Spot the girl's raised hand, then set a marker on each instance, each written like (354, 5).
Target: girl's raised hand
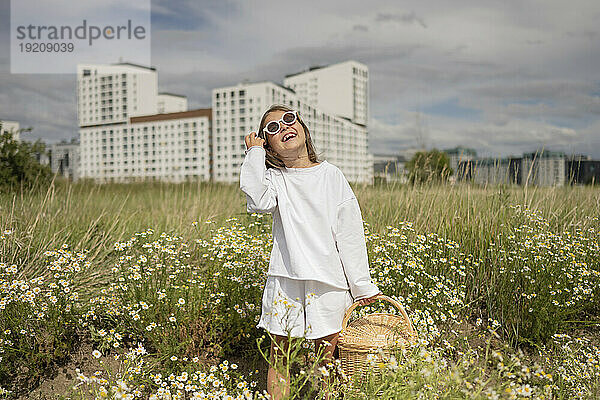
(252, 139)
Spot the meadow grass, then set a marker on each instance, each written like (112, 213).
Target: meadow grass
(92, 216)
(181, 268)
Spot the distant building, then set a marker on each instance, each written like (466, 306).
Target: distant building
(490, 171)
(456, 156)
(10, 127)
(583, 170)
(390, 168)
(109, 94)
(540, 168)
(64, 159)
(130, 132)
(544, 168)
(42, 158)
(170, 147)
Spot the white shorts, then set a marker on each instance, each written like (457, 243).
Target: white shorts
(305, 308)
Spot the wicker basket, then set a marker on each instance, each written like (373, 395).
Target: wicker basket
(372, 334)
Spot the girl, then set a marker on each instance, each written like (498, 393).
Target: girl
(318, 264)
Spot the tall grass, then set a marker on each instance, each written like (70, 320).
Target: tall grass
(93, 217)
(471, 215)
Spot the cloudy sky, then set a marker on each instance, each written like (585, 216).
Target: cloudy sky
(502, 77)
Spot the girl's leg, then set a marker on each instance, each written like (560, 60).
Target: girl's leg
(329, 343)
(275, 387)
(329, 346)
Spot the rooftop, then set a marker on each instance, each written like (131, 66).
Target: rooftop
(135, 65)
(317, 67)
(542, 153)
(459, 150)
(173, 94)
(313, 68)
(200, 112)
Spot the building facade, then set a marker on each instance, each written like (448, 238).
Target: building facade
(170, 103)
(131, 132)
(541, 168)
(490, 171)
(109, 94)
(583, 170)
(456, 156)
(170, 147)
(64, 159)
(544, 168)
(10, 127)
(389, 168)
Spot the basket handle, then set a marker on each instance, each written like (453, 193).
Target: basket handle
(379, 297)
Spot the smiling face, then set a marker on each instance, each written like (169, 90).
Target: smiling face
(290, 140)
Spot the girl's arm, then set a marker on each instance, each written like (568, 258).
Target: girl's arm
(352, 248)
(255, 182)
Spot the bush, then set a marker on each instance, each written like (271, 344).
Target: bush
(19, 164)
(429, 166)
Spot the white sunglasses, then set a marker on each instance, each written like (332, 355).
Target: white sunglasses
(287, 118)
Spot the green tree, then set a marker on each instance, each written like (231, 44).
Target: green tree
(19, 163)
(429, 166)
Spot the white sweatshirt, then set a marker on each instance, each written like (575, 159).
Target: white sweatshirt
(317, 224)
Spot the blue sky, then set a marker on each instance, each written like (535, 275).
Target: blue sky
(501, 77)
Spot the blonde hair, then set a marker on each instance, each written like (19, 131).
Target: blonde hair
(272, 160)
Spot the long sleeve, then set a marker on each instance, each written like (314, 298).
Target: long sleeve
(255, 182)
(352, 248)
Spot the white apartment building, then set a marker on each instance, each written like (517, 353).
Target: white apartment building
(112, 93)
(491, 171)
(10, 127)
(541, 168)
(544, 168)
(339, 89)
(172, 147)
(237, 111)
(131, 132)
(390, 168)
(455, 157)
(64, 159)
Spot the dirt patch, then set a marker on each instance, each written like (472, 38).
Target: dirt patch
(64, 377)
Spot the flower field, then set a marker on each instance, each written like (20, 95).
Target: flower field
(163, 283)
